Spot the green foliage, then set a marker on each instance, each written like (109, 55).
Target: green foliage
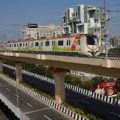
(9, 62)
(77, 81)
(114, 51)
(97, 79)
(38, 69)
(72, 80)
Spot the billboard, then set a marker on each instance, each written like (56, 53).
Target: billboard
(32, 25)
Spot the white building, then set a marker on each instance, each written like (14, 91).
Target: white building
(34, 31)
(85, 19)
(115, 42)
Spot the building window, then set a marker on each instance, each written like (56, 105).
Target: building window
(37, 35)
(60, 43)
(96, 20)
(47, 43)
(81, 29)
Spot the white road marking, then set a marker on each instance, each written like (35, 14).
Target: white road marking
(47, 117)
(29, 104)
(17, 95)
(8, 89)
(37, 110)
(115, 114)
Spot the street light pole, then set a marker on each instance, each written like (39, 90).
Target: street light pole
(106, 49)
(17, 95)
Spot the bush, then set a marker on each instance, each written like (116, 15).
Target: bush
(78, 82)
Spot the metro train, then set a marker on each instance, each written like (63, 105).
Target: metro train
(84, 44)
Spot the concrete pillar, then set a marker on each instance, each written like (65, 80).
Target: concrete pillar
(1, 66)
(59, 75)
(18, 72)
(59, 87)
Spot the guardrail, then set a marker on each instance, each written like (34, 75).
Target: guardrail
(103, 98)
(59, 53)
(45, 100)
(71, 54)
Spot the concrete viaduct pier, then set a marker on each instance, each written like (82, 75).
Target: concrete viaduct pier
(59, 65)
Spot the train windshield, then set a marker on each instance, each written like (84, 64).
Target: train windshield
(92, 40)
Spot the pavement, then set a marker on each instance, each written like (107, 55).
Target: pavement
(32, 108)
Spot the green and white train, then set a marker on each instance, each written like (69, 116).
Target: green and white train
(84, 44)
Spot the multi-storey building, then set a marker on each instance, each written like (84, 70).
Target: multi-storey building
(85, 20)
(115, 42)
(34, 31)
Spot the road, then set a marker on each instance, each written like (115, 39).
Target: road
(34, 109)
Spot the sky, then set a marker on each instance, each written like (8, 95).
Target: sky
(14, 14)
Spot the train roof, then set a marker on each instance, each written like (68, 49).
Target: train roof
(41, 39)
(52, 38)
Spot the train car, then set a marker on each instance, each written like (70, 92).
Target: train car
(85, 44)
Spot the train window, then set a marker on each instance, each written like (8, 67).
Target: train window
(14, 45)
(53, 43)
(23, 44)
(20, 44)
(68, 42)
(36, 43)
(41, 43)
(78, 42)
(26, 44)
(91, 40)
(47, 43)
(10, 45)
(32, 44)
(60, 43)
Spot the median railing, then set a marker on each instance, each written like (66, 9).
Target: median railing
(103, 98)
